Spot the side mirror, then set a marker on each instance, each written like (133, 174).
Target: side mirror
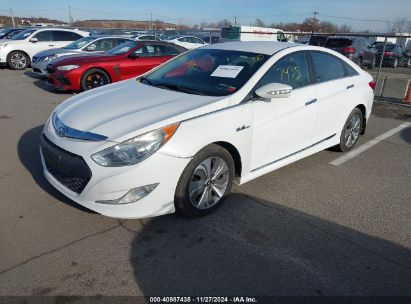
(133, 56)
(34, 40)
(274, 90)
(91, 48)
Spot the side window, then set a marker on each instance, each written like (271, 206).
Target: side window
(149, 50)
(103, 45)
(43, 36)
(182, 39)
(168, 50)
(65, 36)
(349, 70)
(120, 41)
(291, 70)
(327, 67)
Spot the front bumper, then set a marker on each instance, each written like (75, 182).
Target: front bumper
(109, 183)
(39, 67)
(65, 80)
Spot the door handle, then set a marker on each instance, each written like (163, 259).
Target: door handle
(311, 101)
(350, 86)
(51, 44)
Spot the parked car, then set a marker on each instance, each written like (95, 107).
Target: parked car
(251, 33)
(303, 40)
(146, 37)
(358, 49)
(180, 135)
(18, 52)
(9, 33)
(317, 40)
(188, 42)
(87, 45)
(127, 60)
(393, 55)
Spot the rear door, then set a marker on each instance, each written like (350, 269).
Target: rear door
(63, 38)
(337, 90)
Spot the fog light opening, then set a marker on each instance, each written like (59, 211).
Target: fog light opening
(132, 196)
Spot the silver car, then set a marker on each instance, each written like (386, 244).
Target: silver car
(86, 45)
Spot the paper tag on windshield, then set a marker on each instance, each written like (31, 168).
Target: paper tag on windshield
(227, 71)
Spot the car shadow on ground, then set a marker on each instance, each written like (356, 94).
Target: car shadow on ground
(41, 82)
(256, 247)
(29, 155)
(406, 135)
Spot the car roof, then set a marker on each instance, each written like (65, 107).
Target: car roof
(262, 47)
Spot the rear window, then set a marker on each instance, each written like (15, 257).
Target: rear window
(338, 42)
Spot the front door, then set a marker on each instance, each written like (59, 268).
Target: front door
(283, 127)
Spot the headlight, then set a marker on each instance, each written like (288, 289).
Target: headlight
(135, 150)
(48, 58)
(68, 67)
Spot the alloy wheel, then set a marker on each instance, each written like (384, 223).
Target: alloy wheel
(18, 61)
(352, 131)
(208, 182)
(95, 80)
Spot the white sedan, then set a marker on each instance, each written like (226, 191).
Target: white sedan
(180, 135)
(17, 53)
(189, 42)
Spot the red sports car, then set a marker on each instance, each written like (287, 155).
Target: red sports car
(132, 58)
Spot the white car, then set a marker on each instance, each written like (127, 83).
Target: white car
(18, 52)
(86, 46)
(189, 42)
(179, 136)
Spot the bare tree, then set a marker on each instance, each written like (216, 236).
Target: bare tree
(260, 23)
(399, 25)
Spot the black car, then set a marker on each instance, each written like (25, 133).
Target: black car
(318, 40)
(10, 32)
(393, 55)
(358, 49)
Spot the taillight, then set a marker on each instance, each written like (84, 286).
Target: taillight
(372, 84)
(348, 50)
(388, 54)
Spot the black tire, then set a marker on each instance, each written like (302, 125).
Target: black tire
(18, 60)
(344, 145)
(182, 199)
(94, 78)
(373, 63)
(394, 63)
(359, 61)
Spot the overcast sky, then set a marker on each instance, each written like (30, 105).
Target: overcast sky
(195, 11)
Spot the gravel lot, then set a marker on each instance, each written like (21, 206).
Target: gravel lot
(310, 228)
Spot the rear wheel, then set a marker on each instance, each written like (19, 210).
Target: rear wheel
(351, 131)
(18, 60)
(205, 182)
(94, 78)
(395, 63)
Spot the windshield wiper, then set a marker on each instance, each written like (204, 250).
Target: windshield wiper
(146, 81)
(178, 88)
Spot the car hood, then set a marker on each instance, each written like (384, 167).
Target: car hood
(56, 51)
(128, 108)
(83, 58)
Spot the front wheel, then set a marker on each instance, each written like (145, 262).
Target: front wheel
(18, 60)
(94, 78)
(351, 131)
(205, 182)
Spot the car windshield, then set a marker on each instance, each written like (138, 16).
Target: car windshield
(122, 48)
(207, 72)
(78, 44)
(23, 35)
(338, 42)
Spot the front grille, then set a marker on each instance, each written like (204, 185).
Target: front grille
(51, 68)
(69, 169)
